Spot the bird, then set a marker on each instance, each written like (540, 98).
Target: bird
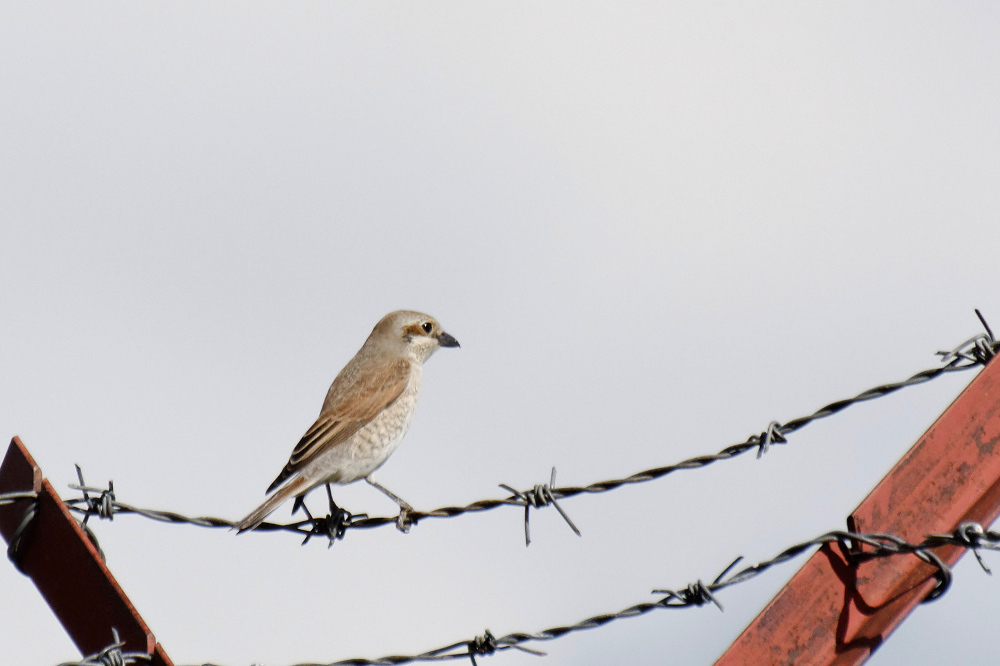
(365, 415)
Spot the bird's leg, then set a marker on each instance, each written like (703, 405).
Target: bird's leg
(300, 502)
(388, 493)
(403, 521)
(333, 505)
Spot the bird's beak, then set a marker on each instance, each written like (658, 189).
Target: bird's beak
(446, 340)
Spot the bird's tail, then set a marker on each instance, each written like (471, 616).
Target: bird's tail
(257, 516)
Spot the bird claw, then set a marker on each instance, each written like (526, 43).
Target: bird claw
(403, 520)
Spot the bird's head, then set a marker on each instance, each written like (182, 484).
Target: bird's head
(411, 334)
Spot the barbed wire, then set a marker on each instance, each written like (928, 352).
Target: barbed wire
(967, 535)
(855, 547)
(14, 544)
(10, 498)
(974, 352)
(111, 655)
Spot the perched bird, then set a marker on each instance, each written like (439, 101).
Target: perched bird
(365, 415)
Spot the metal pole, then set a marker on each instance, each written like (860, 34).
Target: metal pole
(838, 610)
(51, 548)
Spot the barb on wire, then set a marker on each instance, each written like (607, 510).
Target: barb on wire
(541, 495)
(967, 535)
(763, 441)
(972, 536)
(485, 644)
(103, 506)
(697, 593)
(112, 655)
(976, 351)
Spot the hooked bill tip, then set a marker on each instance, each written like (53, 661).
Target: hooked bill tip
(446, 340)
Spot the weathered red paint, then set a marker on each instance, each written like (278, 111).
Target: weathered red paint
(836, 612)
(66, 568)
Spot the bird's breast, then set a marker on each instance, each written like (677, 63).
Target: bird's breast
(374, 443)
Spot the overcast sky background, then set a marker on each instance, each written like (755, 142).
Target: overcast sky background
(654, 228)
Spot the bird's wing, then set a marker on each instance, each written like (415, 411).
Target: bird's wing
(364, 399)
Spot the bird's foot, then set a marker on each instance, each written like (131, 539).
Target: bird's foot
(403, 521)
(334, 525)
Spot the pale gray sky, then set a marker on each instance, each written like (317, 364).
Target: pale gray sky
(654, 227)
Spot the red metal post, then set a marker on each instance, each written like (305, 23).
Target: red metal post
(66, 568)
(834, 611)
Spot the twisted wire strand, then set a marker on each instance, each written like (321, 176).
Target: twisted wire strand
(974, 352)
(699, 593)
(10, 498)
(968, 535)
(14, 544)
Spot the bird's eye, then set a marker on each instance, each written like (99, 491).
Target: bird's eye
(427, 326)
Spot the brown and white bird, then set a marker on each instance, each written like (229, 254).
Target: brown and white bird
(365, 415)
